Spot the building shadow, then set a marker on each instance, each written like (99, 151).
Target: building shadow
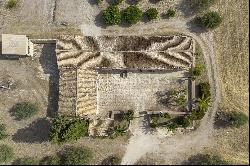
(36, 132)
(48, 62)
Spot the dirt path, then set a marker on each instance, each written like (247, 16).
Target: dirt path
(178, 145)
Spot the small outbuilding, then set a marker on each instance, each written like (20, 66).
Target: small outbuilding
(16, 45)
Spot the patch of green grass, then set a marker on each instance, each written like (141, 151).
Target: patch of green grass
(6, 153)
(76, 156)
(26, 161)
(24, 110)
(3, 133)
(11, 4)
(66, 129)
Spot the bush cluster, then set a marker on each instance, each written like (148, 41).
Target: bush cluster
(111, 15)
(211, 20)
(24, 110)
(65, 129)
(151, 14)
(182, 121)
(204, 89)
(132, 14)
(170, 13)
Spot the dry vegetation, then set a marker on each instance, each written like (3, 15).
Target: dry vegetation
(232, 45)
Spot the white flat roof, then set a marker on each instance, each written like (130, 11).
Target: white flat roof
(14, 44)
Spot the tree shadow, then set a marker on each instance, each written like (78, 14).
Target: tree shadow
(36, 132)
(93, 2)
(154, 1)
(99, 22)
(131, 2)
(48, 61)
(196, 26)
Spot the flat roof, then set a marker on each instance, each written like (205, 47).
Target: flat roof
(14, 44)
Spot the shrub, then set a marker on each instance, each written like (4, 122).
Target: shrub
(24, 110)
(117, 2)
(197, 114)
(177, 98)
(152, 14)
(3, 133)
(165, 115)
(211, 20)
(111, 15)
(111, 160)
(11, 3)
(76, 156)
(132, 14)
(6, 153)
(27, 161)
(119, 130)
(51, 160)
(65, 129)
(203, 103)
(172, 126)
(170, 13)
(205, 159)
(200, 5)
(238, 119)
(204, 89)
(182, 121)
(197, 70)
(154, 122)
(128, 116)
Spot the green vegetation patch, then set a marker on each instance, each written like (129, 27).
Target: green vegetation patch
(204, 89)
(170, 13)
(111, 15)
(27, 161)
(132, 14)
(6, 153)
(66, 129)
(206, 159)
(11, 4)
(211, 20)
(76, 156)
(152, 13)
(24, 110)
(3, 133)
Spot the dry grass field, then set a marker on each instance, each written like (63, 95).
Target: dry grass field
(232, 45)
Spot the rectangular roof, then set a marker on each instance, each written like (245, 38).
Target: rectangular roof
(14, 44)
